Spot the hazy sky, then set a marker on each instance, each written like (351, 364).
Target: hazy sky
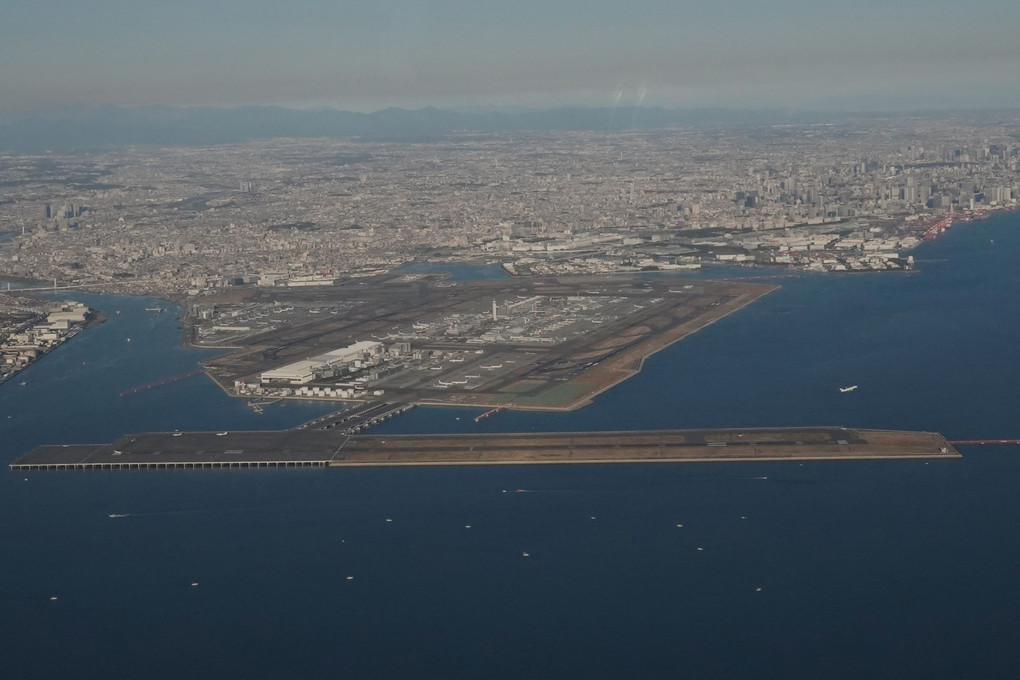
(369, 54)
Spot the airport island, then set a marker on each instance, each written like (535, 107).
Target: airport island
(319, 448)
(548, 343)
(404, 340)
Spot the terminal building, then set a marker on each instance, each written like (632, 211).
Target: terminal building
(307, 370)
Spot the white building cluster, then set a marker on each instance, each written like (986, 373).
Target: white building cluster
(35, 338)
(327, 365)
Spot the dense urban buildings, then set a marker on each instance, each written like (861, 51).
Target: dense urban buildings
(850, 195)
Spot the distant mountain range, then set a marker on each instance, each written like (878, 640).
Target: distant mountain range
(96, 128)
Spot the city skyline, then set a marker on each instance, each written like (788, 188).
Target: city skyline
(453, 54)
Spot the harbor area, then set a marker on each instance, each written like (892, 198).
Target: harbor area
(325, 448)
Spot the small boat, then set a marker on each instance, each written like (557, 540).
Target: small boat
(851, 388)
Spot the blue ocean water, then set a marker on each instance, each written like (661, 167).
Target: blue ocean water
(876, 569)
